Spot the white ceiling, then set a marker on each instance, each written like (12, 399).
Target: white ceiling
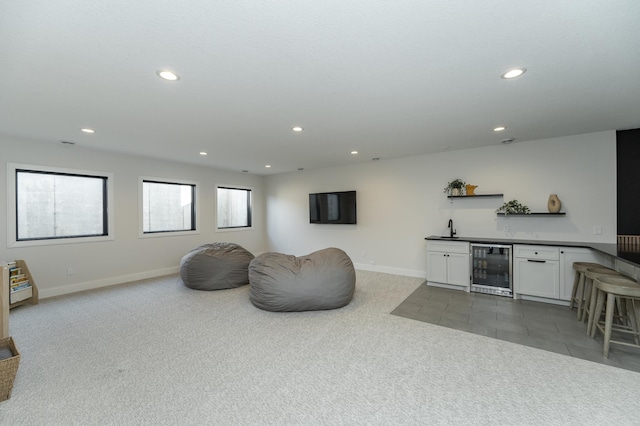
(386, 78)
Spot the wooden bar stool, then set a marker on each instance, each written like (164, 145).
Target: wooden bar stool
(627, 292)
(589, 291)
(577, 292)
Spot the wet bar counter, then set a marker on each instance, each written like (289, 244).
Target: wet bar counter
(613, 250)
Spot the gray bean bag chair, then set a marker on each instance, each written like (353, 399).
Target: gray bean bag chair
(216, 266)
(324, 279)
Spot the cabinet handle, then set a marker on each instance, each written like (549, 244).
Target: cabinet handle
(537, 261)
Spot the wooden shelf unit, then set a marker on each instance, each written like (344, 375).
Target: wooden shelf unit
(5, 306)
(34, 297)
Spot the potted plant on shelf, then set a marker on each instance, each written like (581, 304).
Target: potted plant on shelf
(455, 187)
(513, 206)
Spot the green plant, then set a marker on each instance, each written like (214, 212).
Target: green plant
(455, 184)
(513, 206)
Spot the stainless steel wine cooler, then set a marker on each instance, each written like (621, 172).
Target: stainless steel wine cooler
(492, 271)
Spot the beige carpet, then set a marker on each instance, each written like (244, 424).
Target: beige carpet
(155, 352)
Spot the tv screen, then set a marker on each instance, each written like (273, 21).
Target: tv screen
(333, 207)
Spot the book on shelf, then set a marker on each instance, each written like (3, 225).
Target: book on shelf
(20, 283)
(21, 286)
(17, 279)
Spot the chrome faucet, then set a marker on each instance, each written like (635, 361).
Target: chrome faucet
(452, 232)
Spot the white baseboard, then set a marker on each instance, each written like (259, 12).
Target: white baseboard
(90, 285)
(390, 270)
(449, 286)
(542, 299)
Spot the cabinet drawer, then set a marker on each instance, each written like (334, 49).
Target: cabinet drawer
(536, 252)
(448, 246)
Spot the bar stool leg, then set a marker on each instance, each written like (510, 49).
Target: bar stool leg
(633, 320)
(576, 278)
(580, 295)
(587, 297)
(621, 311)
(592, 318)
(596, 313)
(635, 303)
(608, 322)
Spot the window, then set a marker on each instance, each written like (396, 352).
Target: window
(168, 206)
(234, 207)
(52, 205)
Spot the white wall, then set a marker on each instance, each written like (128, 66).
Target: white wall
(127, 257)
(401, 201)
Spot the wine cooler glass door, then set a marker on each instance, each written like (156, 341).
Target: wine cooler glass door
(491, 266)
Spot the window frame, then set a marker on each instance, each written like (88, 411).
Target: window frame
(195, 210)
(249, 207)
(12, 206)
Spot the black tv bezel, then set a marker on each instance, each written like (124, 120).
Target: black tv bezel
(355, 208)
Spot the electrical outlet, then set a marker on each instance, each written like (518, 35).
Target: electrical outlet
(505, 228)
(597, 230)
(69, 271)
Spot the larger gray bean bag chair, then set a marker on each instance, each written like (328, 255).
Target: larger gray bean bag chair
(216, 266)
(324, 279)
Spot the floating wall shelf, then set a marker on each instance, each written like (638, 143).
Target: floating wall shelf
(533, 214)
(475, 196)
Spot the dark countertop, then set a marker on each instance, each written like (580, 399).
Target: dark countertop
(608, 249)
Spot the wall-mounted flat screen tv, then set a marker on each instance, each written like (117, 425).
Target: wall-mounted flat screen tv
(333, 207)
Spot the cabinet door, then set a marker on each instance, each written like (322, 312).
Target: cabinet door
(569, 255)
(436, 266)
(537, 278)
(458, 269)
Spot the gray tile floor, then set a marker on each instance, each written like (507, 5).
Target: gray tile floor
(540, 325)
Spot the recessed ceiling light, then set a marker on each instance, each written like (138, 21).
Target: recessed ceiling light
(87, 130)
(168, 75)
(297, 129)
(499, 128)
(354, 152)
(507, 141)
(203, 153)
(513, 73)
(268, 166)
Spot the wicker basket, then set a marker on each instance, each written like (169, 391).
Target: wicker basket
(8, 367)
